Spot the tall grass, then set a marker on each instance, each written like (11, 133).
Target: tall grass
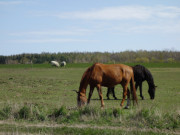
(139, 117)
(64, 130)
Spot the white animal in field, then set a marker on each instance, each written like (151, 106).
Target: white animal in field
(63, 64)
(55, 63)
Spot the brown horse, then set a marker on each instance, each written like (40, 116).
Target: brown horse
(106, 75)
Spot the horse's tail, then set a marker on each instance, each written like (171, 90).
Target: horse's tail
(133, 89)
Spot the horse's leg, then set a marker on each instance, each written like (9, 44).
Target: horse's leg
(125, 85)
(128, 99)
(100, 94)
(108, 91)
(113, 93)
(136, 85)
(140, 87)
(90, 93)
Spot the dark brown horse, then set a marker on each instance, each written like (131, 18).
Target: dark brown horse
(106, 75)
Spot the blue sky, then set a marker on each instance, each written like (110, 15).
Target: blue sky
(35, 26)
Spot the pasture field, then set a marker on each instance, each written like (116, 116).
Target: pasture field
(85, 65)
(40, 100)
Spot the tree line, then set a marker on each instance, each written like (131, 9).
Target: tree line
(140, 56)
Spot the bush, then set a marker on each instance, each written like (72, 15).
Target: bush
(24, 113)
(41, 117)
(142, 60)
(5, 112)
(116, 112)
(72, 117)
(170, 60)
(88, 111)
(60, 112)
(161, 120)
(38, 112)
(172, 120)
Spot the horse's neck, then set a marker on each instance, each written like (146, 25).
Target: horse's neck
(82, 89)
(151, 85)
(150, 81)
(84, 83)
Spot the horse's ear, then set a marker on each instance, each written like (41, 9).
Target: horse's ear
(76, 91)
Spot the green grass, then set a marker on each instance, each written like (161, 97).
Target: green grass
(44, 95)
(69, 65)
(74, 131)
(85, 65)
(157, 65)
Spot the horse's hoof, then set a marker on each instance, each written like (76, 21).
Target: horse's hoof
(115, 98)
(127, 107)
(142, 98)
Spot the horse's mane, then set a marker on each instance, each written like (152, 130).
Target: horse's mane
(149, 77)
(85, 78)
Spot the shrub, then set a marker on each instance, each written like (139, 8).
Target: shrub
(172, 120)
(24, 113)
(170, 60)
(5, 112)
(72, 117)
(38, 112)
(142, 60)
(60, 112)
(107, 113)
(116, 112)
(41, 117)
(88, 111)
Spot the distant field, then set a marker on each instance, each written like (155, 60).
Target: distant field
(40, 100)
(85, 65)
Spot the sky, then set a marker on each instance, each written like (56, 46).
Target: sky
(36, 26)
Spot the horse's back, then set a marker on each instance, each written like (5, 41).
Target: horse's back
(110, 75)
(141, 73)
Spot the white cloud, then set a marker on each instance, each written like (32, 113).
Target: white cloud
(158, 19)
(156, 28)
(123, 12)
(167, 12)
(112, 13)
(144, 28)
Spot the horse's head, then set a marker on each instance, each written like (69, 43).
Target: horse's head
(81, 99)
(151, 91)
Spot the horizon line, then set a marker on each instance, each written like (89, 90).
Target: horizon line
(164, 50)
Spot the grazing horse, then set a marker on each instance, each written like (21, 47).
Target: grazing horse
(140, 74)
(106, 75)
